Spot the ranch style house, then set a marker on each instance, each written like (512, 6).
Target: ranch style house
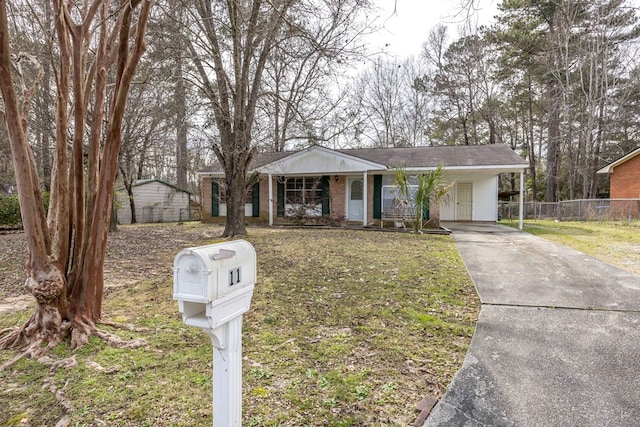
(357, 186)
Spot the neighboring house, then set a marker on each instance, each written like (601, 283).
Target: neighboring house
(357, 186)
(155, 201)
(624, 175)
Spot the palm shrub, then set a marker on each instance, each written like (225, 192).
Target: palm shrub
(430, 190)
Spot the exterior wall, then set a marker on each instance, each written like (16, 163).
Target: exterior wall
(206, 200)
(485, 198)
(154, 202)
(338, 196)
(625, 180)
(369, 199)
(263, 201)
(264, 198)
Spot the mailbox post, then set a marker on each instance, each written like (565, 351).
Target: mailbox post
(213, 286)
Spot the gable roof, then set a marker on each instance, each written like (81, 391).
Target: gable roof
(609, 168)
(319, 160)
(462, 157)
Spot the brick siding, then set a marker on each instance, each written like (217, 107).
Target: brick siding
(625, 180)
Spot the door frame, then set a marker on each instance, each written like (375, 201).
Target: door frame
(470, 186)
(350, 180)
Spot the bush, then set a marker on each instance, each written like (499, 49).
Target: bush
(10, 209)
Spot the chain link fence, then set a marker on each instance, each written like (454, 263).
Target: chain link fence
(575, 210)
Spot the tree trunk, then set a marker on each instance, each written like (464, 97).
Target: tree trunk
(67, 279)
(553, 134)
(593, 189)
(182, 157)
(128, 185)
(529, 133)
(235, 179)
(113, 224)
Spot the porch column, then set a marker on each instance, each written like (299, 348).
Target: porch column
(521, 200)
(270, 200)
(365, 197)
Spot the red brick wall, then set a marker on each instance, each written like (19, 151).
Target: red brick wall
(206, 200)
(625, 180)
(264, 198)
(337, 195)
(337, 200)
(369, 199)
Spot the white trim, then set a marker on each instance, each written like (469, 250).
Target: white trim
(348, 181)
(484, 168)
(521, 201)
(365, 199)
(343, 163)
(609, 168)
(270, 198)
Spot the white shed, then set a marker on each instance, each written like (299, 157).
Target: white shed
(155, 201)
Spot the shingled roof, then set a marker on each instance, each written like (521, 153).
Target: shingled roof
(451, 156)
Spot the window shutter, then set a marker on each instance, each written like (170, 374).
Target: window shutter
(377, 196)
(215, 198)
(255, 200)
(324, 184)
(280, 198)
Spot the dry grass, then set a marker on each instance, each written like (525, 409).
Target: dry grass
(346, 328)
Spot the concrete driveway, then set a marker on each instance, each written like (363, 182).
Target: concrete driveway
(557, 341)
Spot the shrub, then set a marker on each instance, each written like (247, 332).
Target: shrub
(10, 209)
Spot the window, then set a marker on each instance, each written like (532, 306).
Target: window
(393, 205)
(356, 190)
(303, 193)
(219, 199)
(221, 195)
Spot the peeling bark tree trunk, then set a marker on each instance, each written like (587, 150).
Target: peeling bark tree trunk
(67, 249)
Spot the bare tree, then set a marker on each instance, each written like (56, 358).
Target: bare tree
(232, 45)
(94, 42)
(302, 74)
(381, 98)
(230, 51)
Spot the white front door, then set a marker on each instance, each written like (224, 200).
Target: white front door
(464, 202)
(355, 199)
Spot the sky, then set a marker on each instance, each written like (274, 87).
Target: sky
(405, 29)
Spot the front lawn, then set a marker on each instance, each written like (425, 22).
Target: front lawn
(346, 328)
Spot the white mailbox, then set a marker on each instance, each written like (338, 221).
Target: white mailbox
(214, 283)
